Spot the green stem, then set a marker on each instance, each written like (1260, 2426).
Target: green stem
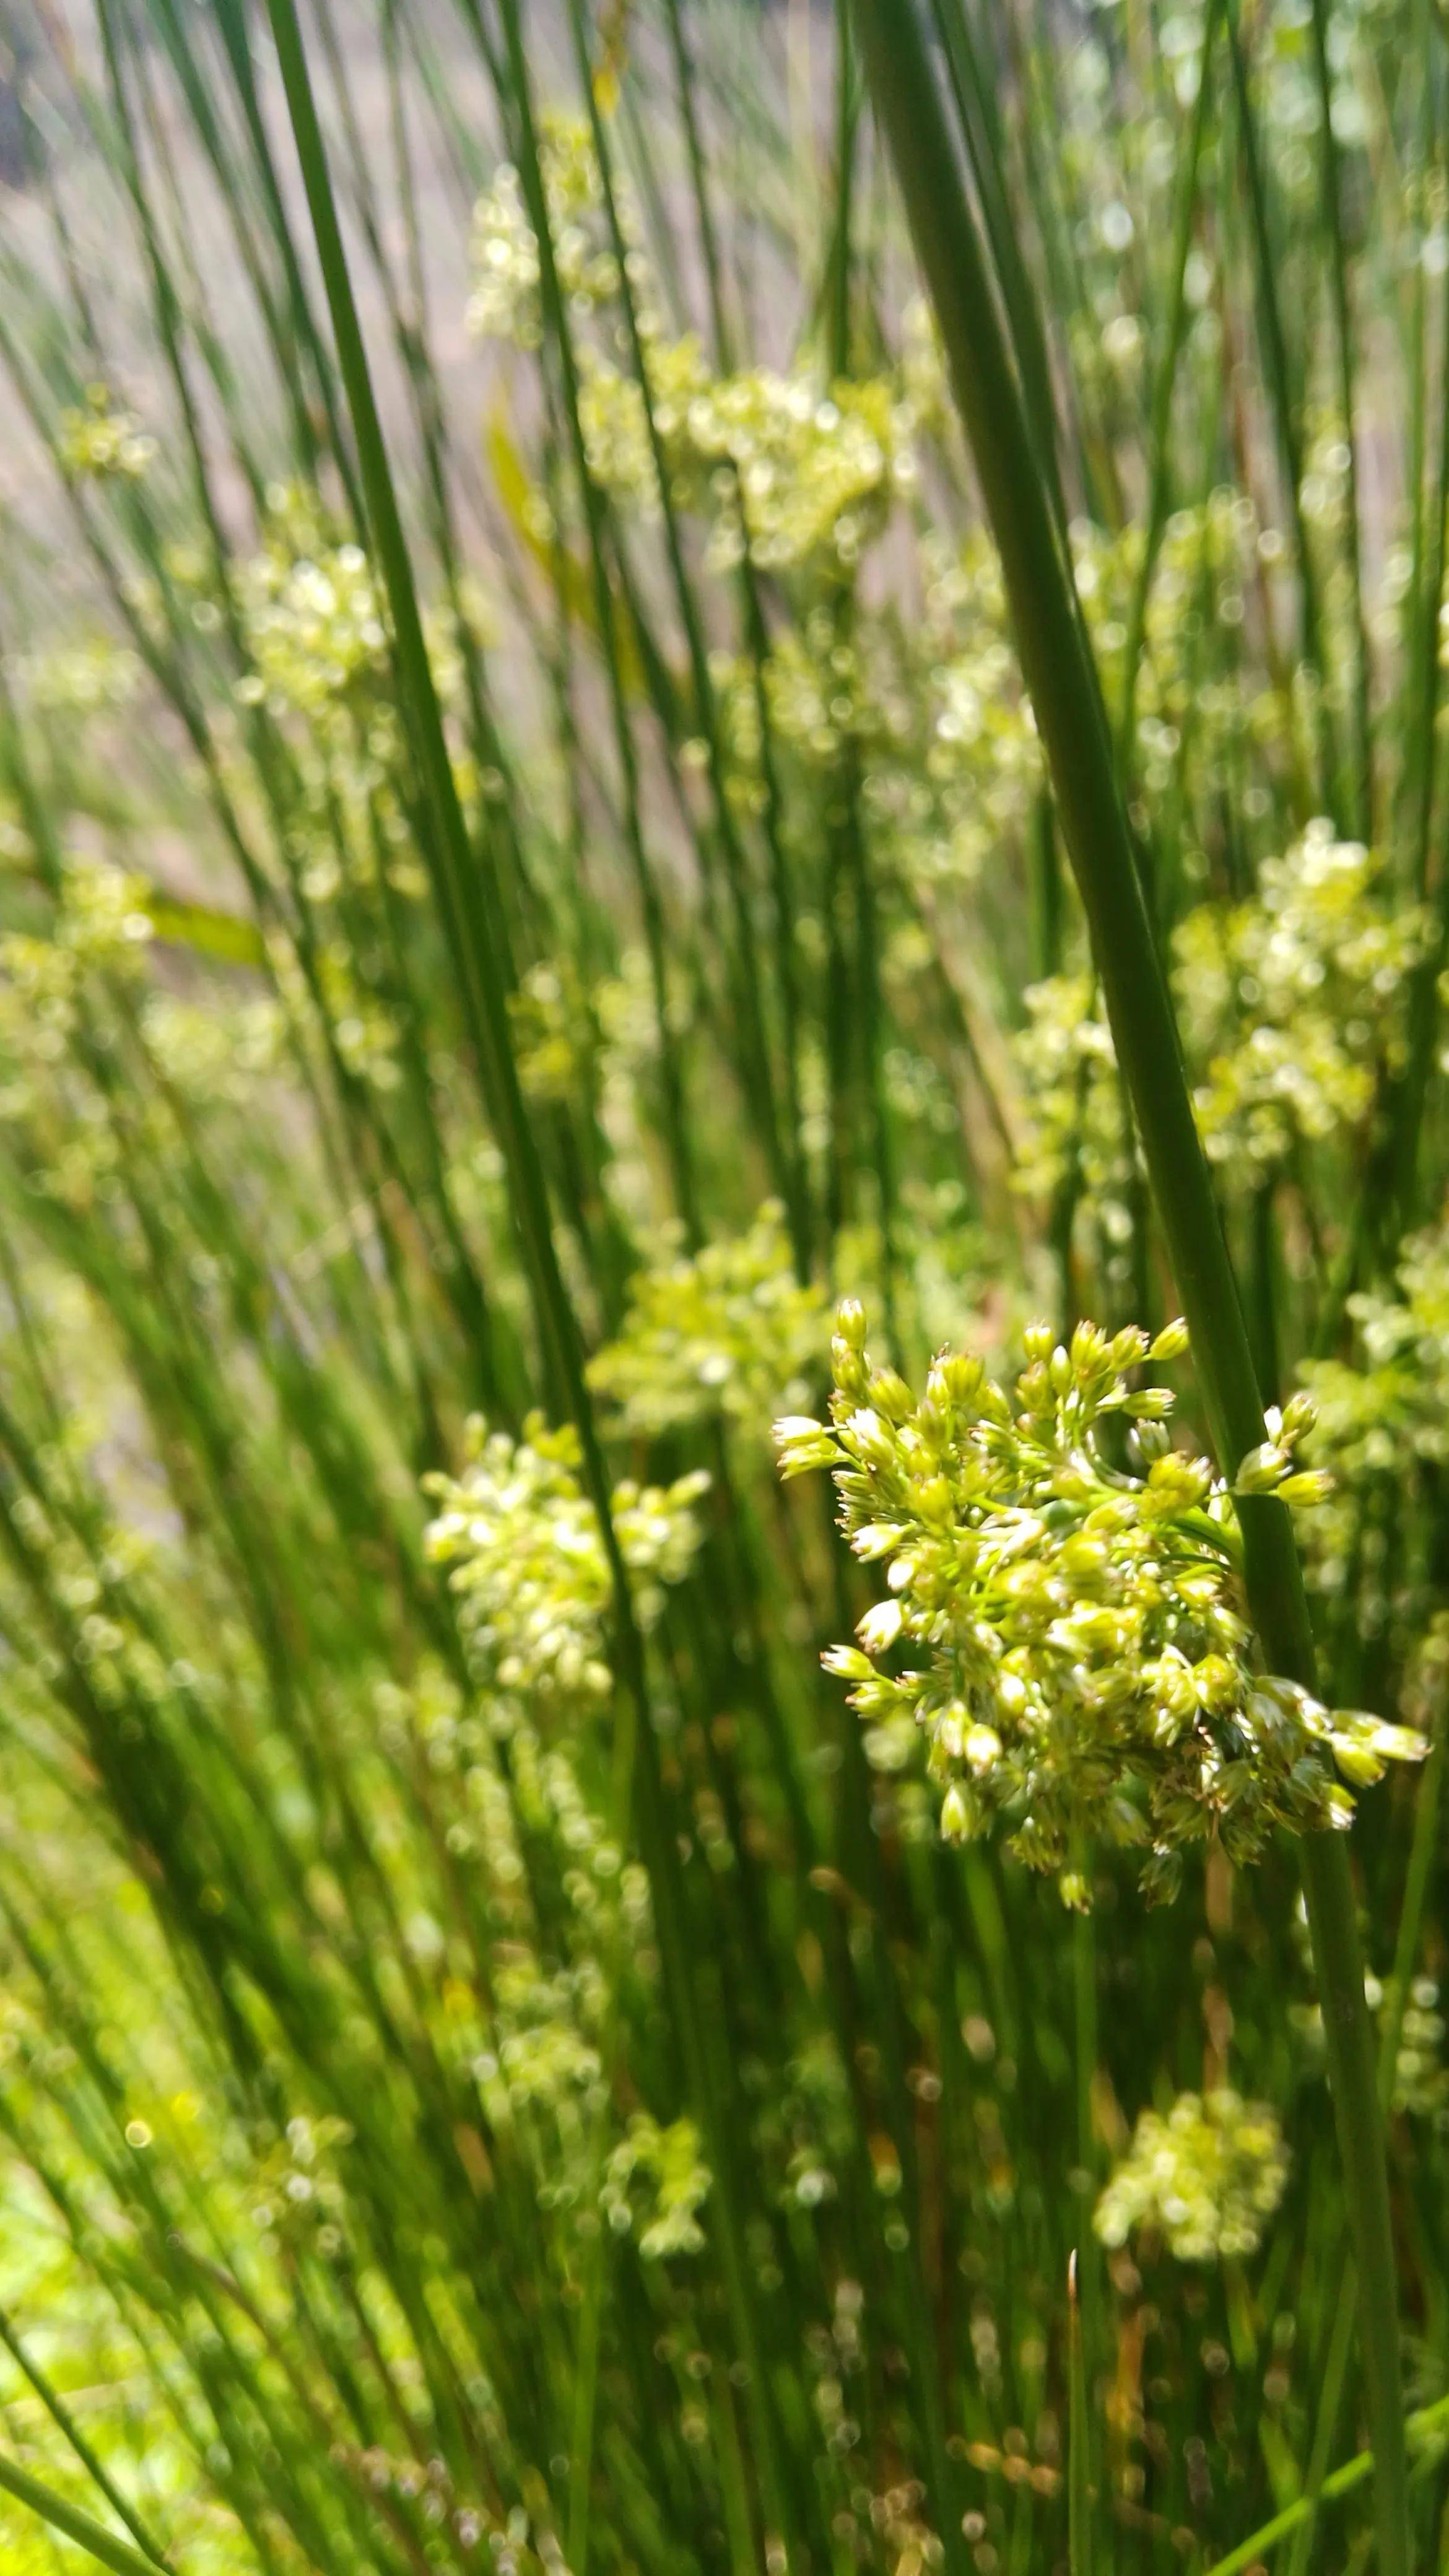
(1079, 2460)
(60, 2414)
(1343, 334)
(1421, 2427)
(1406, 1950)
(1338, 1960)
(1086, 2276)
(467, 912)
(77, 2526)
(1160, 431)
(1062, 681)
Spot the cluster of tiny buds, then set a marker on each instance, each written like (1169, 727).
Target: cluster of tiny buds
(1086, 1666)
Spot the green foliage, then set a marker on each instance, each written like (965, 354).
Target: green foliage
(501, 2062)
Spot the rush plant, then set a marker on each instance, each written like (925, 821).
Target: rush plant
(667, 673)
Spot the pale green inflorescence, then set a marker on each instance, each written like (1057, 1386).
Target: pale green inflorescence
(1383, 1417)
(313, 621)
(1075, 1130)
(728, 1330)
(505, 299)
(101, 442)
(1088, 1665)
(1421, 2078)
(312, 615)
(1292, 1010)
(1207, 2178)
(528, 1559)
(784, 466)
(93, 676)
(1288, 1001)
(655, 2183)
(69, 999)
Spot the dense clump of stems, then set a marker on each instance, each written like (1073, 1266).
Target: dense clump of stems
(1057, 666)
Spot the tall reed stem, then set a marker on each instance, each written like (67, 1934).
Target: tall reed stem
(1062, 680)
(62, 2516)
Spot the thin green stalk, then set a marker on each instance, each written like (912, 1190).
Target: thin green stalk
(75, 2525)
(1079, 2440)
(1332, 200)
(613, 622)
(977, 109)
(65, 2422)
(1422, 2427)
(1409, 1106)
(1274, 344)
(1422, 1854)
(1067, 700)
(449, 860)
(784, 1155)
(1086, 2279)
(1159, 442)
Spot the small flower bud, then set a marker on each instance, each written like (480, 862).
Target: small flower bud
(1263, 1469)
(880, 1627)
(848, 1663)
(955, 1815)
(850, 1323)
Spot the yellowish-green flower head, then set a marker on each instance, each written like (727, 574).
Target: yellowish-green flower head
(727, 1331)
(505, 300)
(100, 442)
(1291, 1007)
(1067, 1633)
(785, 466)
(1383, 1418)
(1075, 1129)
(528, 1560)
(1288, 1002)
(1207, 2178)
(655, 2182)
(92, 677)
(311, 611)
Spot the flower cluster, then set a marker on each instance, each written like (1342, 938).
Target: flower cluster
(1076, 1127)
(300, 2195)
(1421, 2078)
(207, 1053)
(667, 2163)
(815, 469)
(554, 1031)
(1088, 1664)
(93, 677)
(504, 304)
(785, 465)
(100, 442)
(528, 1560)
(544, 2026)
(1288, 1001)
(102, 921)
(729, 1330)
(1290, 1006)
(311, 611)
(1384, 1419)
(1207, 2178)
